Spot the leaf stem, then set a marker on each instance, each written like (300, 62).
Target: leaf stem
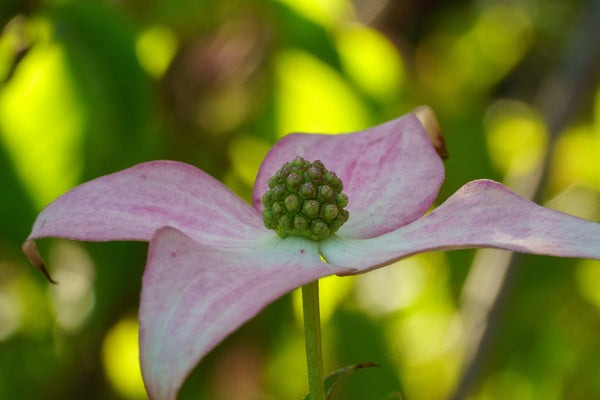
(312, 337)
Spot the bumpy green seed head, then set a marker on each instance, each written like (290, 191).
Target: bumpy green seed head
(305, 199)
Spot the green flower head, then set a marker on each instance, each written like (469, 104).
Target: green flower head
(305, 199)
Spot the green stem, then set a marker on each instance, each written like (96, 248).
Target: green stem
(312, 336)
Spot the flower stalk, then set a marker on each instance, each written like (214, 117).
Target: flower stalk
(312, 337)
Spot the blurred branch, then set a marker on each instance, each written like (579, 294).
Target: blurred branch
(493, 272)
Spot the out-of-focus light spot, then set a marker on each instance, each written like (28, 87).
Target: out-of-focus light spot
(228, 107)
(499, 39)
(392, 288)
(332, 290)
(423, 335)
(576, 154)
(313, 97)
(516, 136)
(323, 12)
(11, 309)
(576, 158)
(121, 359)
(23, 304)
(504, 33)
(578, 200)
(454, 65)
(434, 68)
(155, 48)
(371, 61)
(10, 314)
(588, 280)
(246, 153)
(432, 380)
(73, 299)
(508, 384)
(407, 283)
(421, 343)
(41, 122)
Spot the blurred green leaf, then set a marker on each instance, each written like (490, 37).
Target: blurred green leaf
(111, 82)
(16, 211)
(298, 32)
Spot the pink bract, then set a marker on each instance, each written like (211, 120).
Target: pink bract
(212, 265)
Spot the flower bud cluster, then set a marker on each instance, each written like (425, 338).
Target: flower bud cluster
(305, 199)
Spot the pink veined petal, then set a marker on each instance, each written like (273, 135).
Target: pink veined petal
(194, 295)
(391, 172)
(481, 214)
(133, 203)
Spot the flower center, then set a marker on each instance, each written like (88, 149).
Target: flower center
(305, 199)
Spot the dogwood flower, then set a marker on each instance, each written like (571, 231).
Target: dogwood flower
(212, 264)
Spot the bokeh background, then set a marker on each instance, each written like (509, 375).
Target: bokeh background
(91, 87)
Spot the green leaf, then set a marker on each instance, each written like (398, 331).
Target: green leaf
(332, 380)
